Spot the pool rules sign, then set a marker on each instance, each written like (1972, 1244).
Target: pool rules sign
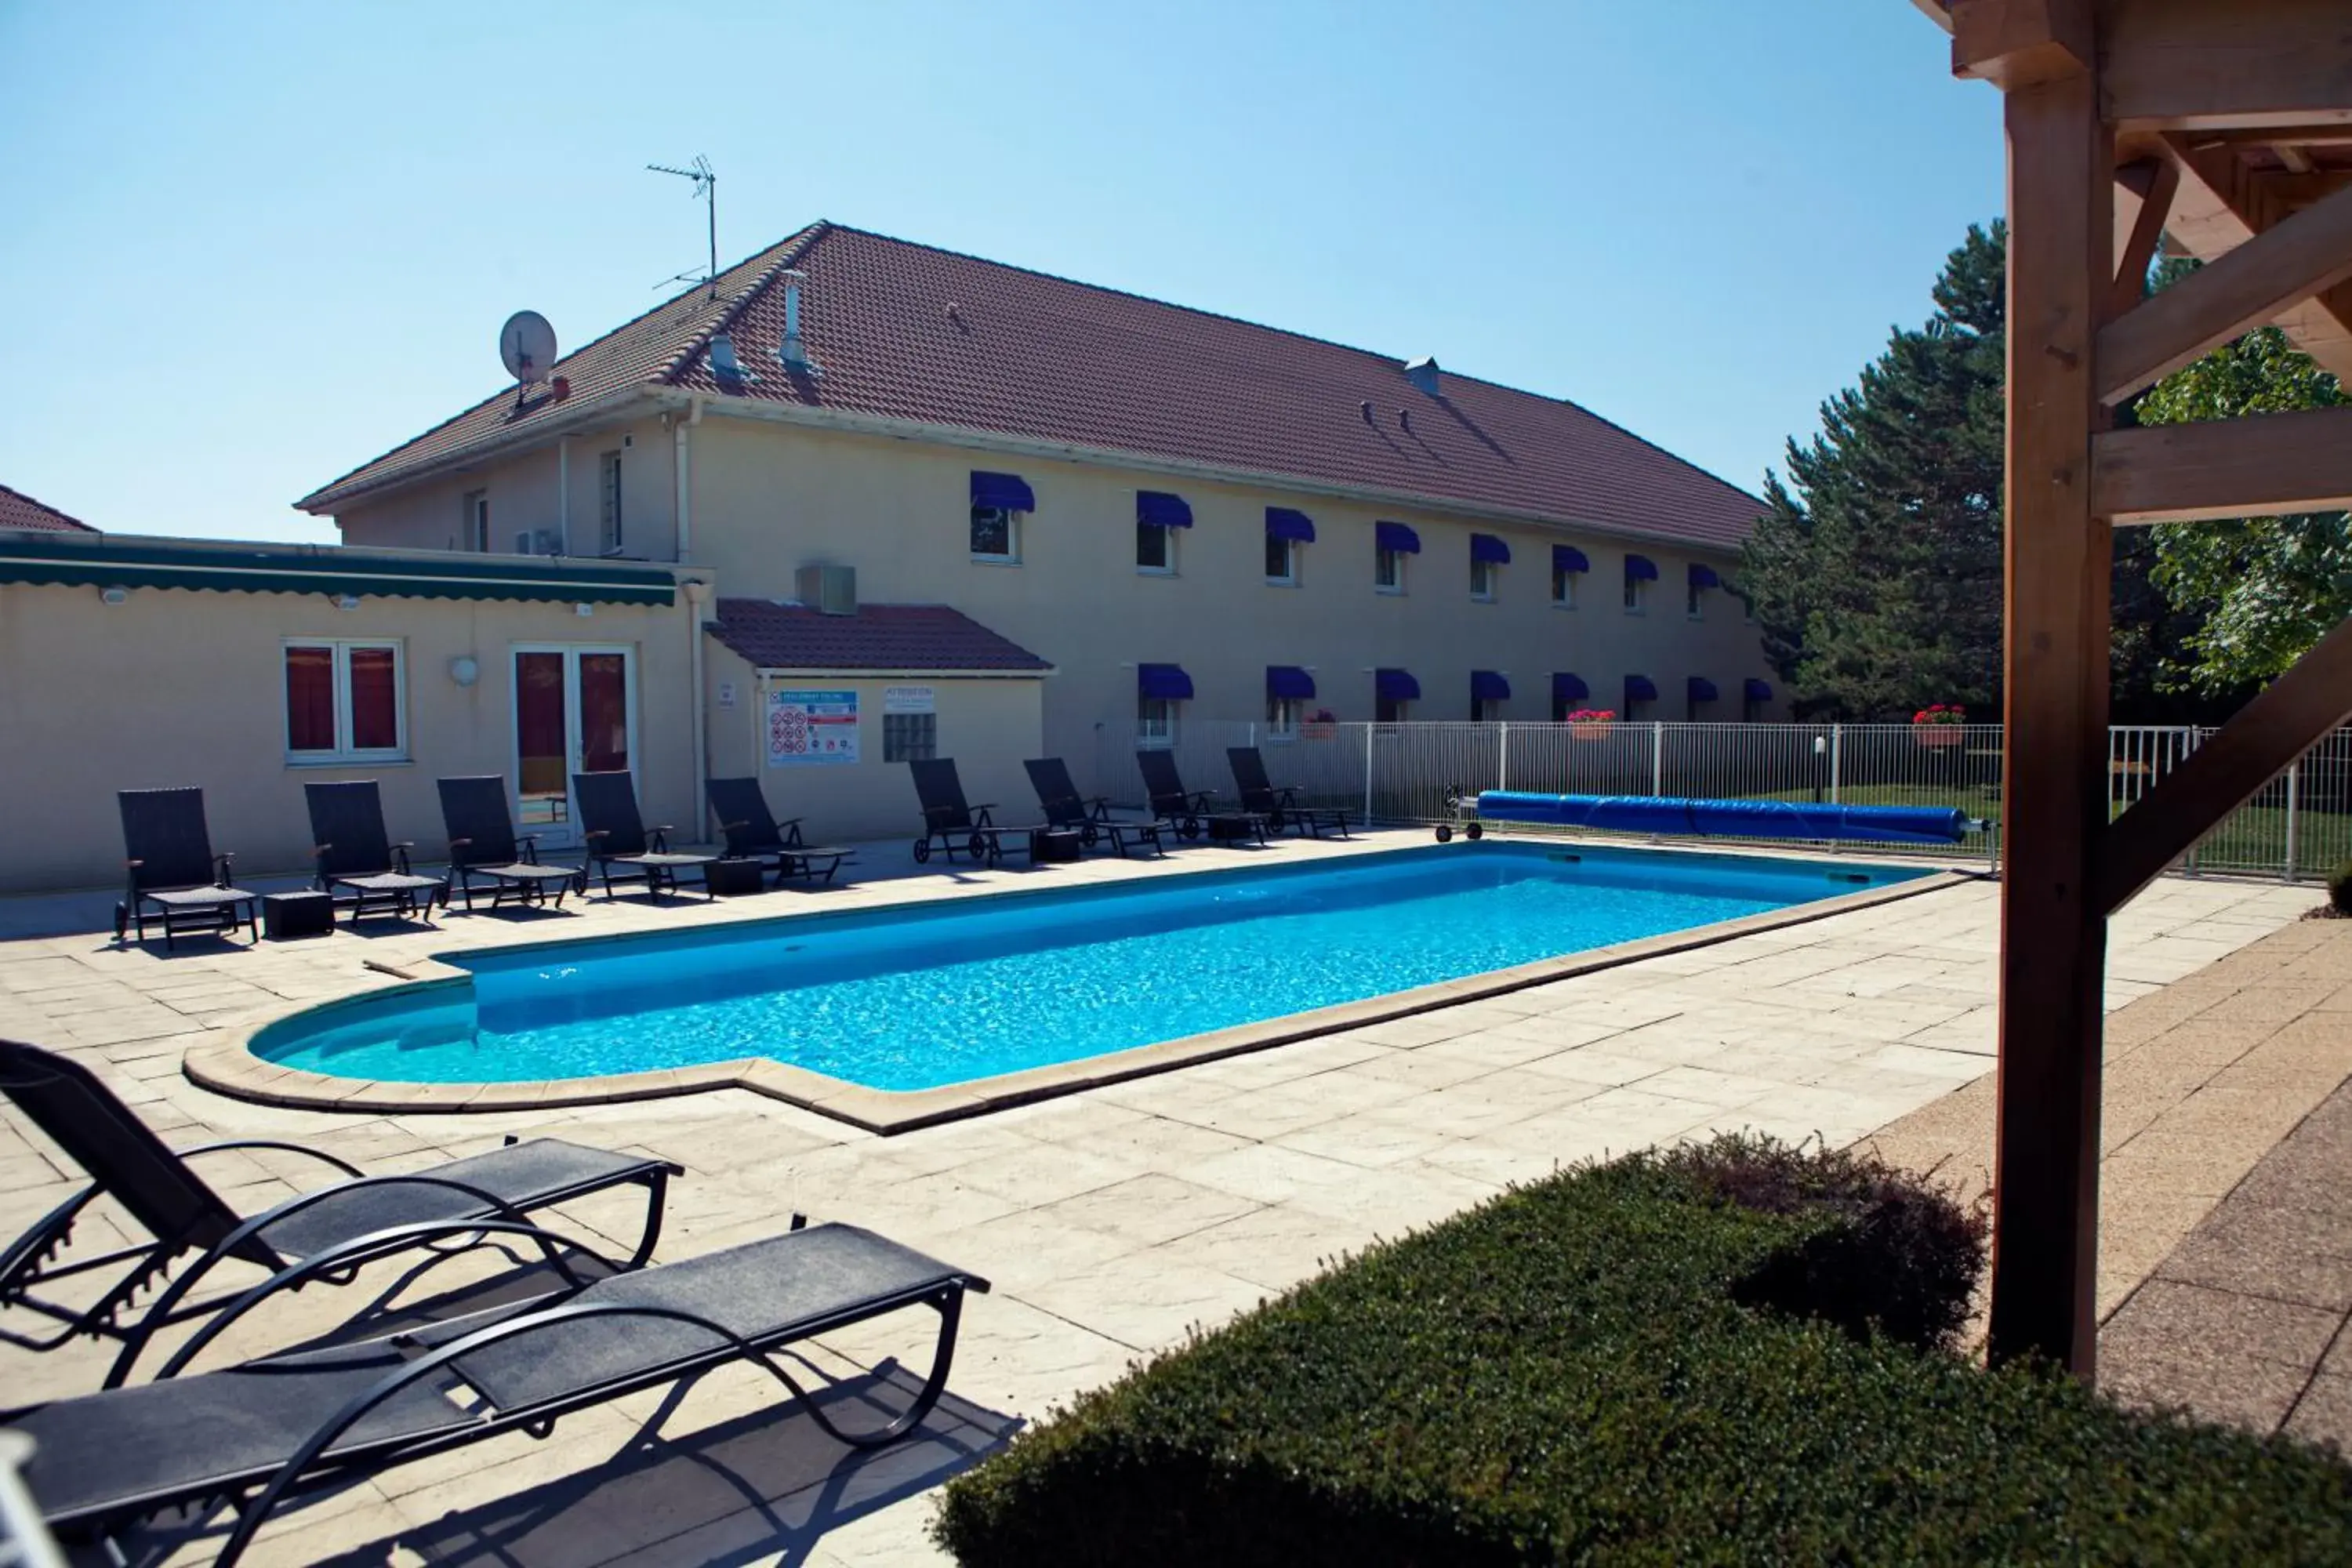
(812, 728)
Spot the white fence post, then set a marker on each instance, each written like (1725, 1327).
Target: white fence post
(1367, 772)
(2293, 779)
(1502, 756)
(1658, 759)
(1837, 754)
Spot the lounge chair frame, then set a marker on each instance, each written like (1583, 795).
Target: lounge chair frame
(752, 833)
(355, 857)
(1064, 807)
(183, 1214)
(952, 822)
(623, 838)
(443, 1348)
(170, 864)
(1279, 804)
(1183, 811)
(488, 847)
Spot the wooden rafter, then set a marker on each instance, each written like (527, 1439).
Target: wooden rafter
(2222, 204)
(2154, 182)
(2264, 465)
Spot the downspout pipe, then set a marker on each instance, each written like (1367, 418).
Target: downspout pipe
(683, 464)
(696, 593)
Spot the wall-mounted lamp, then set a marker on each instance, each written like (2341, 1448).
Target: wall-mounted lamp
(465, 669)
(347, 601)
(114, 594)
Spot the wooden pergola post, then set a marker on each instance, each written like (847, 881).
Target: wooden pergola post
(2227, 124)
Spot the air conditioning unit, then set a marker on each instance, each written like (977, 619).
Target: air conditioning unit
(539, 541)
(830, 590)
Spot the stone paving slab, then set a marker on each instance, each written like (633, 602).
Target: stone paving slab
(1113, 1219)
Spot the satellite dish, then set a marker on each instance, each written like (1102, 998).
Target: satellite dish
(527, 344)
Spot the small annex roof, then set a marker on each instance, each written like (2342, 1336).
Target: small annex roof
(130, 561)
(19, 510)
(924, 342)
(884, 638)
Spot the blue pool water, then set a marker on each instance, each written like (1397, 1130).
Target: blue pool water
(913, 998)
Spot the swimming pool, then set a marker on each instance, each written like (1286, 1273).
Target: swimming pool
(917, 997)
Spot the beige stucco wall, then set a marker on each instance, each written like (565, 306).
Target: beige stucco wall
(540, 490)
(988, 726)
(177, 687)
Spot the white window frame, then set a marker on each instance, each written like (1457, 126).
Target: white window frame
(1390, 564)
(344, 753)
(1485, 711)
(1283, 717)
(1485, 577)
(1400, 710)
(610, 531)
(1012, 519)
(1289, 576)
(1637, 594)
(1155, 722)
(1167, 567)
(475, 511)
(1694, 602)
(1563, 588)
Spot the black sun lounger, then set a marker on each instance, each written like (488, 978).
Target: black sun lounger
(259, 1433)
(617, 836)
(483, 843)
(1279, 806)
(754, 834)
(952, 821)
(155, 1183)
(172, 865)
(1183, 810)
(357, 857)
(1059, 797)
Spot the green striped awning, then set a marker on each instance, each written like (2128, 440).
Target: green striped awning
(117, 562)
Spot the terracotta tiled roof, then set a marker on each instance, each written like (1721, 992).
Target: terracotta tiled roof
(878, 637)
(904, 332)
(20, 511)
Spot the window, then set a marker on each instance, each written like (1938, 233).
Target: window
(1482, 581)
(343, 702)
(996, 535)
(1155, 549)
(609, 535)
(1281, 561)
(1696, 609)
(910, 737)
(1636, 591)
(1387, 570)
(1389, 709)
(1563, 587)
(1282, 715)
(474, 521)
(1155, 722)
(1486, 710)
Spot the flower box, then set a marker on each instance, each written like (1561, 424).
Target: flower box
(1937, 736)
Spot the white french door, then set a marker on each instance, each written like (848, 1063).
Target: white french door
(575, 710)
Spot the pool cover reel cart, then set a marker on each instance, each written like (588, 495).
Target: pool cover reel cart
(257, 1435)
(156, 1187)
(1464, 810)
(1658, 816)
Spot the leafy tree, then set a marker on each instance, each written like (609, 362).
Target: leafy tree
(2260, 591)
(1876, 573)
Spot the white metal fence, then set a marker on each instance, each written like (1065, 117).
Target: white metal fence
(2299, 824)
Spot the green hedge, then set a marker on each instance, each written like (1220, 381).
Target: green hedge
(1657, 1361)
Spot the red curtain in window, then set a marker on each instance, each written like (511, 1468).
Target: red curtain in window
(603, 712)
(375, 703)
(311, 699)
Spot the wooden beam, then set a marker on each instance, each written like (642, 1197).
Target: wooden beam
(2222, 205)
(1936, 11)
(2310, 701)
(2016, 42)
(2264, 465)
(2155, 181)
(2059, 558)
(2225, 64)
(2299, 257)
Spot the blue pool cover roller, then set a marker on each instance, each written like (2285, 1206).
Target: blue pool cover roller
(1733, 818)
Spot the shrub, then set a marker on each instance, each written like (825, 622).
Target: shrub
(2339, 889)
(1568, 1374)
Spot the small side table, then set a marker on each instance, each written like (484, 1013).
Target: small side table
(734, 878)
(1055, 844)
(1232, 829)
(285, 915)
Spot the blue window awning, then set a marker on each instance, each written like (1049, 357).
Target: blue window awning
(1704, 576)
(1396, 685)
(1162, 509)
(1289, 680)
(1486, 547)
(1281, 522)
(1569, 558)
(1640, 569)
(1567, 688)
(1167, 682)
(1758, 690)
(1700, 689)
(1396, 536)
(1488, 686)
(1641, 688)
(1010, 491)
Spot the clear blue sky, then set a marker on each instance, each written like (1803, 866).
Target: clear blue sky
(249, 247)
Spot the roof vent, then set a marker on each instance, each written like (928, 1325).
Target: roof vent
(1404, 420)
(791, 352)
(829, 590)
(1365, 409)
(1422, 374)
(723, 363)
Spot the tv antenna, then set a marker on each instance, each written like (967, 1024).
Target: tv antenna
(706, 186)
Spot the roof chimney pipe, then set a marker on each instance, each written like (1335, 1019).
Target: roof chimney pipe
(1422, 374)
(791, 351)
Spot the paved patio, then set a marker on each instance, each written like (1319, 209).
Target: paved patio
(1110, 1220)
